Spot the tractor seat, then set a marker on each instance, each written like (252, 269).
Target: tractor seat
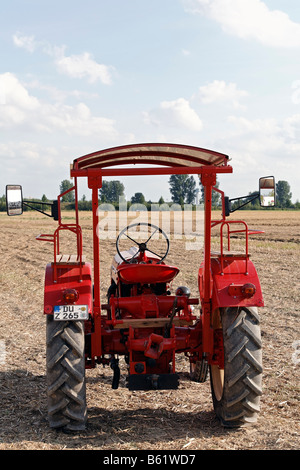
(146, 273)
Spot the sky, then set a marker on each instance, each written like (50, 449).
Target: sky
(77, 77)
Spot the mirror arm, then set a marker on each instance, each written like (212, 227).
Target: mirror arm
(54, 208)
(228, 205)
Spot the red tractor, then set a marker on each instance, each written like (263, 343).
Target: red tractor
(141, 320)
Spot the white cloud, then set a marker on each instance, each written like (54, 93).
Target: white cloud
(271, 134)
(177, 113)
(74, 66)
(57, 95)
(25, 42)
(250, 19)
(265, 146)
(37, 167)
(15, 94)
(18, 156)
(260, 147)
(261, 137)
(77, 120)
(17, 102)
(292, 129)
(220, 91)
(83, 66)
(24, 112)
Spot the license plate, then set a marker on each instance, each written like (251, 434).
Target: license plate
(71, 312)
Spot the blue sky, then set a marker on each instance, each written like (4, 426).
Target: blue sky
(77, 77)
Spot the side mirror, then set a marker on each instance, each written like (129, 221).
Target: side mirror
(14, 199)
(267, 191)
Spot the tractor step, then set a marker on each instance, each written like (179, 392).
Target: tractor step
(153, 381)
(69, 259)
(229, 254)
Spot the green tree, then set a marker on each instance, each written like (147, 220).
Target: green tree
(45, 199)
(190, 190)
(111, 191)
(64, 186)
(182, 188)
(255, 202)
(215, 198)
(138, 198)
(283, 194)
(3, 203)
(297, 205)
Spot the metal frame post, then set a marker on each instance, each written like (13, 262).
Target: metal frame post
(94, 183)
(208, 180)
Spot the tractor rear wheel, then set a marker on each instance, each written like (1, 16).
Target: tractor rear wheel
(236, 389)
(66, 374)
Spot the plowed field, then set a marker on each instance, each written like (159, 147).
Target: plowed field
(160, 420)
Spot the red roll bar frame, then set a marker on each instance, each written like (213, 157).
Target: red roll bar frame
(168, 159)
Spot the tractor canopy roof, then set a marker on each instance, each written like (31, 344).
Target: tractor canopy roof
(167, 155)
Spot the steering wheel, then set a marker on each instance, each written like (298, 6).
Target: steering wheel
(142, 247)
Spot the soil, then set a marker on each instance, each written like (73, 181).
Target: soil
(181, 419)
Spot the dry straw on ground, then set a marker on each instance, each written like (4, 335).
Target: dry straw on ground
(119, 419)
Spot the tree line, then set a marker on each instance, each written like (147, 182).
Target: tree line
(183, 190)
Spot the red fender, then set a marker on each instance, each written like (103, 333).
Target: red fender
(229, 286)
(67, 278)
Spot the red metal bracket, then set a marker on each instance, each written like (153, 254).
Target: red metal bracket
(208, 178)
(94, 179)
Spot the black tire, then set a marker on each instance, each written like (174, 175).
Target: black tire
(65, 360)
(236, 391)
(199, 371)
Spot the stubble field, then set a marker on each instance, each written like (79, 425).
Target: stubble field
(182, 419)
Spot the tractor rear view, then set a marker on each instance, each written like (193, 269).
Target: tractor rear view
(141, 319)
